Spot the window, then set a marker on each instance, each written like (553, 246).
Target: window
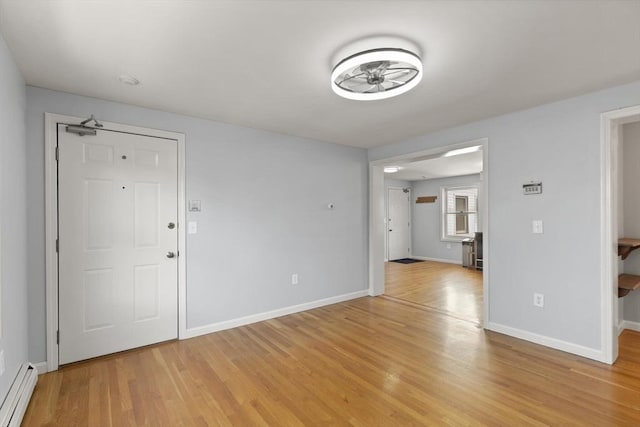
(459, 212)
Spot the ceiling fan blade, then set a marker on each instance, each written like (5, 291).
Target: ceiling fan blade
(353, 82)
(356, 88)
(400, 71)
(355, 76)
(383, 67)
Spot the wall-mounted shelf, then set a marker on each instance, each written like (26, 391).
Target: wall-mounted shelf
(626, 246)
(627, 282)
(426, 199)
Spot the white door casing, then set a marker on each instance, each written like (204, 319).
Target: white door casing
(117, 196)
(609, 199)
(398, 223)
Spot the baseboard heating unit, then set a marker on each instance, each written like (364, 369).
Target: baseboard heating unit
(15, 404)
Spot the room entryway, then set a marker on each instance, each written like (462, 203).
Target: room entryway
(118, 241)
(447, 213)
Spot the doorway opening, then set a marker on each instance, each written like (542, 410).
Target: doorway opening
(440, 264)
(621, 230)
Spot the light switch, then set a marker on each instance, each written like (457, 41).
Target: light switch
(192, 227)
(537, 226)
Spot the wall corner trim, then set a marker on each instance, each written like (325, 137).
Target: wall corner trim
(267, 315)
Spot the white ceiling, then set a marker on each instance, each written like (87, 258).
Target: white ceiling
(266, 64)
(438, 167)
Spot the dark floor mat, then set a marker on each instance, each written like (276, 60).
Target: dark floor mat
(406, 260)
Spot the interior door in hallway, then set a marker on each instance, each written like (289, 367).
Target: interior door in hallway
(398, 223)
(117, 225)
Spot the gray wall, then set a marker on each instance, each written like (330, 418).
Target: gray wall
(264, 213)
(558, 144)
(13, 225)
(631, 211)
(427, 219)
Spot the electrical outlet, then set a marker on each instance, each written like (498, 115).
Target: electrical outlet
(294, 279)
(538, 300)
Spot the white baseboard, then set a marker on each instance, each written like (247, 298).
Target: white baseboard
(620, 327)
(590, 353)
(15, 403)
(41, 367)
(629, 324)
(259, 317)
(424, 258)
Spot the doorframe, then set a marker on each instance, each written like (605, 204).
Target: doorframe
(377, 212)
(386, 219)
(609, 139)
(51, 222)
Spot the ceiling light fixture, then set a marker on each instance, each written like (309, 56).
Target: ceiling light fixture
(376, 74)
(459, 151)
(391, 169)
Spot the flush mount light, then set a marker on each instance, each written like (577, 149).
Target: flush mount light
(376, 74)
(459, 151)
(129, 80)
(391, 169)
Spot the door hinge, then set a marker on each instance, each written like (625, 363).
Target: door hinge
(57, 154)
(58, 336)
(57, 245)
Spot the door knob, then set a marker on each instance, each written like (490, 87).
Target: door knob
(171, 226)
(171, 255)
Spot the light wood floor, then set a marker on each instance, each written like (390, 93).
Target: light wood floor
(448, 288)
(367, 362)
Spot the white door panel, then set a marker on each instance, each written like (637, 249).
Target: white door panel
(117, 288)
(398, 223)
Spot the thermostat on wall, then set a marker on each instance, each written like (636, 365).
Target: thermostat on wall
(195, 206)
(532, 188)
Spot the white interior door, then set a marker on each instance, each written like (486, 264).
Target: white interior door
(398, 223)
(117, 225)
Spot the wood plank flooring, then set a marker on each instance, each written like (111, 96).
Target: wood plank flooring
(366, 362)
(449, 288)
